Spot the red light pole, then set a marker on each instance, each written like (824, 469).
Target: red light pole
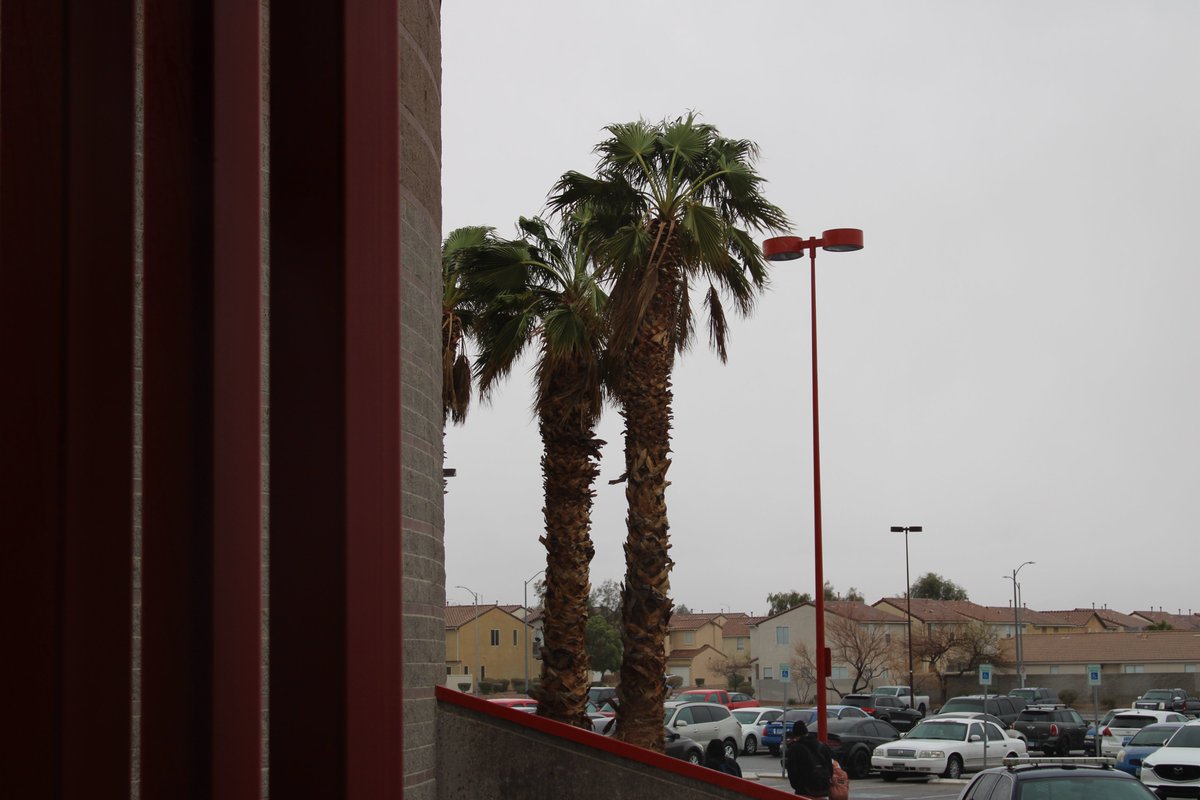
(789, 248)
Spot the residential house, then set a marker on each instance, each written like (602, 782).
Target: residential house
(505, 646)
(1099, 620)
(1124, 652)
(1178, 622)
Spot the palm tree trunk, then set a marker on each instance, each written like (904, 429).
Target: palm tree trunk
(569, 468)
(645, 395)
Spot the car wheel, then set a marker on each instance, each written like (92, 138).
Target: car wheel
(954, 767)
(860, 764)
(731, 749)
(694, 756)
(889, 777)
(751, 745)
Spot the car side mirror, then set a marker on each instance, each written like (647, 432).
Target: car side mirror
(975, 737)
(672, 736)
(681, 724)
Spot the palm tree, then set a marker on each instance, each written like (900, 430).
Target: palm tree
(672, 203)
(459, 310)
(543, 292)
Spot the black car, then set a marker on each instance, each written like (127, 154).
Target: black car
(999, 705)
(683, 748)
(853, 740)
(1050, 779)
(887, 708)
(1053, 729)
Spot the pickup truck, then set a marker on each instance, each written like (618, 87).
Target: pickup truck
(1169, 700)
(920, 702)
(727, 699)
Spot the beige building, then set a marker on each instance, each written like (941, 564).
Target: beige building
(506, 646)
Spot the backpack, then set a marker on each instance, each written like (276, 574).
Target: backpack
(820, 776)
(808, 771)
(839, 787)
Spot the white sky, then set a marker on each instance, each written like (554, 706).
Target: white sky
(1012, 360)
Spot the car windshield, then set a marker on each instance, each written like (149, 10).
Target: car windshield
(1153, 736)
(860, 700)
(963, 704)
(1035, 715)
(1187, 736)
(1158, 694)
(1083, 787)
(805, 714)
(950, 731)
(692, 696)
(745, 717)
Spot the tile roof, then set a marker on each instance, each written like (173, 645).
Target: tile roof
(689, 653)
(737, 624)
(928, 610)
(1111, 648)
(457, 616)
(859, 611)
(686, 622)
(1179, 622)
(1126, 621)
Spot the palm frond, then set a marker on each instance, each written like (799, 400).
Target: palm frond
(717, 327)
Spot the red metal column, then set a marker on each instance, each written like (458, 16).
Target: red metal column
(66, 296)
(201, 710)
(335, 407)
(237, 400)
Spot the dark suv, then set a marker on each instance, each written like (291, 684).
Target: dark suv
(998, 705)
(1041, 778)
(1035, 695)
(1055, 729)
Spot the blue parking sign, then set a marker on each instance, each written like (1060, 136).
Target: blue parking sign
(785, 672)
(1093, 674)
(985, 674)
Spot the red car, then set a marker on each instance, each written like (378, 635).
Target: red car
(725, 698)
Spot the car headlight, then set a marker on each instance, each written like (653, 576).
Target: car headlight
(1120, 755)
(931, 754)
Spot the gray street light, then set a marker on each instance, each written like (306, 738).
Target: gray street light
(1017, 621)
(525, 618)
(475, 598)
(912, 687)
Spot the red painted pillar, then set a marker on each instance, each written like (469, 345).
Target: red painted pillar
(335, 401)
(66, 343)
(202, 401)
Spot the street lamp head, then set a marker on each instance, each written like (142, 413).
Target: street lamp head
(842, 240)
(783, 248)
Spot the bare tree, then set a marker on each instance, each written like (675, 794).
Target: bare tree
(865, 649)
(958, 649)
(734, 671)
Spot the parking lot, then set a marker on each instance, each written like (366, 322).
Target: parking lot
(767, 768)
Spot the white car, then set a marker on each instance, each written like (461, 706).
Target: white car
(1012, 733)
(945, 747)
(753, 720)
(1173, 770)
(703, 722)
(1121, 728)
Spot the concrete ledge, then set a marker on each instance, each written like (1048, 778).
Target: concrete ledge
(486, 750)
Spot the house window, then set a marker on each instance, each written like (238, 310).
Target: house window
(482, 672)
(768, 673)
(466, 669)
(741, 644)
(449, 670)
(495, 637)
(1134, 669)
(514, 637)
(1054, 669)
(839, 672)
(1189, 667)
(783, 634)
(887, 638)
(689, 637)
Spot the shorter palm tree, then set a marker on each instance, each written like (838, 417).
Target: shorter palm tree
(459, 310)
(542, 291)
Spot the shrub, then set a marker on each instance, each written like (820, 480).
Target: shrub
(1068, 696)
(502, 684)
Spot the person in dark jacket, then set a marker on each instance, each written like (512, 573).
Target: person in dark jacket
(809, 762)
(715, 758)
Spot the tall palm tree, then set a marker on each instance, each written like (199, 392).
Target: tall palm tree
(543, 293)
(671, 204)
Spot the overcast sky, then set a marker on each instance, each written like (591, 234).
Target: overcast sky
(1011, 362)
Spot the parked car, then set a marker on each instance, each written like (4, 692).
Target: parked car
(1050, 778)
(753, 721)
(1053, 729)
(1143, 743)
(1089, 738)
(682, 747)
(920, 702)
(888, 708)
(945, 747)
(601, 695)
(725, 698)
(705, 722)
(772, 736)
(1173, 770)
(1169, 700)
(1010, 732)
(1035, 695)
(519, 703)
(999, 705)
(1121, 728)
(853, 739)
